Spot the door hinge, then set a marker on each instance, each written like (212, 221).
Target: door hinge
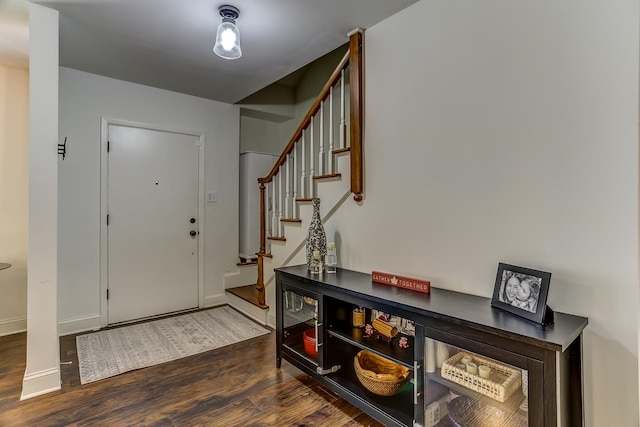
(107, 294)
(108, 146)
(107, 219)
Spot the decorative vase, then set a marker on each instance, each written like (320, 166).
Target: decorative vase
(316, 241)
(430, 355)
(331, 261)
(442, 353)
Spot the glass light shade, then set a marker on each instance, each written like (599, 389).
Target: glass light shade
(228, 41)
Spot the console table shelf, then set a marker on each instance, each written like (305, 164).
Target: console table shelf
(511, 404)
(403, 356)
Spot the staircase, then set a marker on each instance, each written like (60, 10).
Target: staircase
(314, 164)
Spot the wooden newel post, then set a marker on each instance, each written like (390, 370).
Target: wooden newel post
(263, 244)
(260, 284)
(355, 82)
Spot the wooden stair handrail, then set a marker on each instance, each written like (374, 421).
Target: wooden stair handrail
(353, 60)
(324, 93)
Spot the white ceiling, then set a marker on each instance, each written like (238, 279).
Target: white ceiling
(168, 43)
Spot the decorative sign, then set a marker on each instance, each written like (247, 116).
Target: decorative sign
(418, 285)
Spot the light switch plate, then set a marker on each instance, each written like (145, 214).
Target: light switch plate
(212, 197)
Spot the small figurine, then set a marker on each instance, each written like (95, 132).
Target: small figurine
(368, 330)
(403, 342)
(384, 331)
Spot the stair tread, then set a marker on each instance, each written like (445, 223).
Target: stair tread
(248, 293)
(331, 175)
(290, 220)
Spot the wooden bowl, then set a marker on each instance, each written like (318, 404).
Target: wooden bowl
(379, 375)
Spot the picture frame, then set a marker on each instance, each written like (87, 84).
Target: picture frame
(386, 317)
(523, 291)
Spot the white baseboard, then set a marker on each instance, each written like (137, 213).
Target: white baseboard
(256, 313)
(211, 300)
(80, 324)
(40, 383)
(13, 326)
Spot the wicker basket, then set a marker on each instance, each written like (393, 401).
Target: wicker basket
(500, 385)
(379, 375)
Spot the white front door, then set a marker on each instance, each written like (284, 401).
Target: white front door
(153, 212)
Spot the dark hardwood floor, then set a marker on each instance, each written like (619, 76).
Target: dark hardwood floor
(237, 385)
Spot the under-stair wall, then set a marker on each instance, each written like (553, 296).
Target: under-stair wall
(332, 193)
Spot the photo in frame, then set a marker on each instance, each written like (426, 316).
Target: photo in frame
(523, 292)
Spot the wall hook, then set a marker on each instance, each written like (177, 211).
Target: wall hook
(62, 148)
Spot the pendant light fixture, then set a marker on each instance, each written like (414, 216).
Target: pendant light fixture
(228, 35)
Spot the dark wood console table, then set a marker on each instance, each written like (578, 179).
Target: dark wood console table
(546, 362)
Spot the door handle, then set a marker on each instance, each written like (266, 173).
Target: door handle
(193, 233)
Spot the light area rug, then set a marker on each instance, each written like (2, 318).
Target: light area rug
(111, 352)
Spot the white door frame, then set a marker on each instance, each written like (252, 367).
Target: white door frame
(104, 179)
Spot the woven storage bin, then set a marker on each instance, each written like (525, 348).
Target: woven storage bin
(500, 385)
(379, 375)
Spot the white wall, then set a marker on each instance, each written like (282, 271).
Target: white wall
(507, 131)
(309, 88)
(14, 182)
(265, 132)
(42, 373)
(84, 99)
(260, 136)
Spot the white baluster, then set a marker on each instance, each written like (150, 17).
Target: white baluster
(343, 125)
(280, 205)
(274, 208)
(267, 212)
(303, 174)
(321, 141)
(294, 205)
(286, 178)
(330, 154)
(311, 157)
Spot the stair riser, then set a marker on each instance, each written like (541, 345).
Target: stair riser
(243, 276)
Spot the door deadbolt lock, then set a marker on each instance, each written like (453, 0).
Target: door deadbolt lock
(193, 233)
(192, 220)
